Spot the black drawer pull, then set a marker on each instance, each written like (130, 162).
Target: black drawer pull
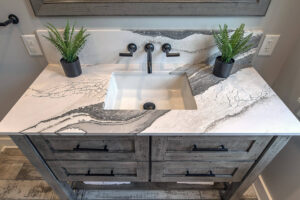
(111, 174)
(211, 174)
(220, 148)
(105, 149)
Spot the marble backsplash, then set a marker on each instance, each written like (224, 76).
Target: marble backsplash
(104, 46)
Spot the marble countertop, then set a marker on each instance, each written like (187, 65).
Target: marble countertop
(242, 104)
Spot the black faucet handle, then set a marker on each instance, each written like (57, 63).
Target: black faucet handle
(167, 48)
(131, 48)
(149, 46)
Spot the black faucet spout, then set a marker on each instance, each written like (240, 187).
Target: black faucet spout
(149, 62)
(149, 48)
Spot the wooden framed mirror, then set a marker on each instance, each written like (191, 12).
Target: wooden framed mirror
(150, 7)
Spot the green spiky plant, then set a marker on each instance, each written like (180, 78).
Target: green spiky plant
(233, 45)
(68, 44)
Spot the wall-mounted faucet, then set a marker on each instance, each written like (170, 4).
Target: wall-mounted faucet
(149, 48)
(167, 48)
(131, 48)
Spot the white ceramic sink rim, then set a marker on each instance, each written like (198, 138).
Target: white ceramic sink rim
(167, 90)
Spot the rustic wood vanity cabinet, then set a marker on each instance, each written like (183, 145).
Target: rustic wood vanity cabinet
(232, 163)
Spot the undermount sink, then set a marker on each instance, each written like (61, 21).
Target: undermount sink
(133, 90)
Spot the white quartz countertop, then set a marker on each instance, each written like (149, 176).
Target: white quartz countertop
(242, 104)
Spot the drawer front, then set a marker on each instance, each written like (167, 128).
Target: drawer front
(207, 148)
(100, 171)
(117, 148)
(199, 171)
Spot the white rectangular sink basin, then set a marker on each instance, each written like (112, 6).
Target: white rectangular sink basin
(131, 90)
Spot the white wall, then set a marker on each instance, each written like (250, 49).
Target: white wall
(287, 84)
(18, 69)
(283, 174)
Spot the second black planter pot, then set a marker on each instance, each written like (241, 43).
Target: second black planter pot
(71, 69)
(222, 69)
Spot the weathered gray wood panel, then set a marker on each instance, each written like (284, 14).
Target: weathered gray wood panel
(208, 148)
(100, 170)
(62, 189)
(199, 171)
(117, 148)
(152, 8)
(236, 190)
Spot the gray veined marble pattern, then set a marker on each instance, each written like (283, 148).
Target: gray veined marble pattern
(241, 104)
(103, 47)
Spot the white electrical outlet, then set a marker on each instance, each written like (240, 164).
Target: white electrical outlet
(32, 45)
(268, 45)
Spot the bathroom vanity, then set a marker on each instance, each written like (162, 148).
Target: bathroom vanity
(225, 131)
(155, 148)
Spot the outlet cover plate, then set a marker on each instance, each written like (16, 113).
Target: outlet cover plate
(32, 45)
(268, 45)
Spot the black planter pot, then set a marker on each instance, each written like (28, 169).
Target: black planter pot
(222, 69)
(71, 69)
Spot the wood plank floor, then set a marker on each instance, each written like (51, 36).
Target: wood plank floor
(20, 181)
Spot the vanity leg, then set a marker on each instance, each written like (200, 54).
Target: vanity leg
(236, 190)
(62, 189)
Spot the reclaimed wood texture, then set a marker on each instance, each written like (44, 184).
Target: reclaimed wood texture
(235, 191)
(62, 189)
(100, 170)
(181, 148)
(198, 171)
(118, 148)
(32, 188)
(152, 8)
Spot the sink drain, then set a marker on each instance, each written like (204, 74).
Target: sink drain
(149, 106)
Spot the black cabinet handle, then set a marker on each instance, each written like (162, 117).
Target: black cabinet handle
(167, 48)
(131, 48)
(220, 148)
(105, 149)
(111, 174)
(210, 174)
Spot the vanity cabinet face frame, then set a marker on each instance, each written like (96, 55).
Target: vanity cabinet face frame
(63, 189)
(150, 7)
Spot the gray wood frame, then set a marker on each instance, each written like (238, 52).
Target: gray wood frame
(150, 7)
(236, 190)
(62, 188)
(233, 191)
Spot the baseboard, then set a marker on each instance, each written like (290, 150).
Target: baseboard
(4, 138)
(6, 142)
(261, 189)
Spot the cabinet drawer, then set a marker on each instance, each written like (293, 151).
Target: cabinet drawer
(199, 171)
(100, 171)
(92, 147)
(207, 148)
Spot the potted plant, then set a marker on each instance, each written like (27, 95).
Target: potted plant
(229, 46)
(69, 46)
